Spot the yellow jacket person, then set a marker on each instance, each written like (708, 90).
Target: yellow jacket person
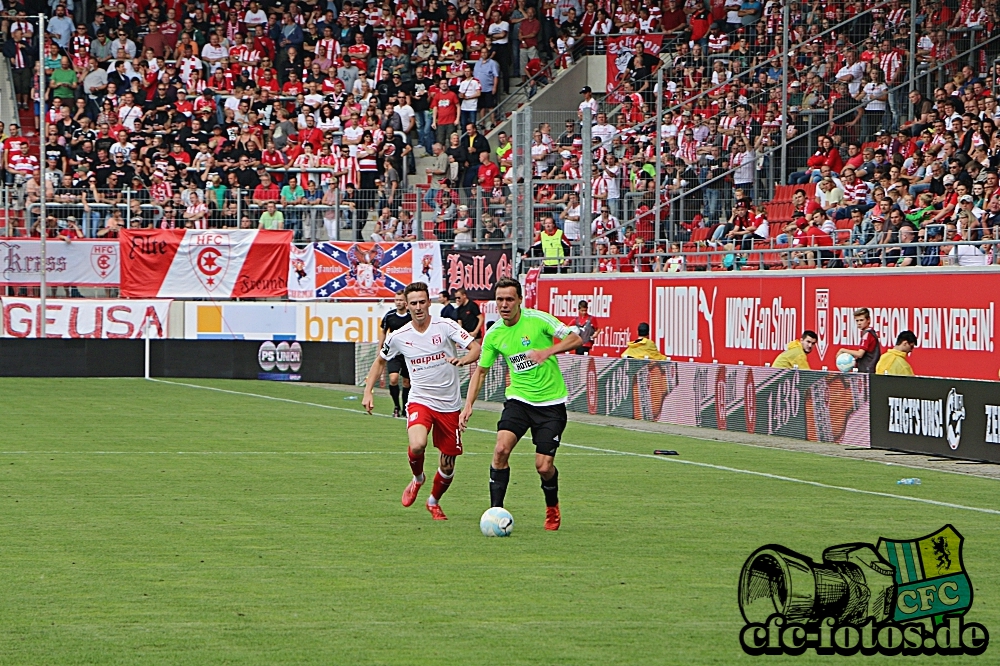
(643, 347)
(894, 362)
(796, 353)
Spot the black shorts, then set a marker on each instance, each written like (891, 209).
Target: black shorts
(487, 100)
(397, 365)
(546, 424)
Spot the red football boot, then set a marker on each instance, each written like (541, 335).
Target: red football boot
(436, 511)
(552, 518)
(410, 494)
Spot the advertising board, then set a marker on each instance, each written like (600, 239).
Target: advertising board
(83, 318)
(939, 417)
(750, 318)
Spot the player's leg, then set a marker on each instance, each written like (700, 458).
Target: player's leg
(447, 440)
(418, 425)
(442, 481)
(394, 385)
(546, 433)
(500, 469)
(404, 373)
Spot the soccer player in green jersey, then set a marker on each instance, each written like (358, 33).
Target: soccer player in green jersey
(536, 397)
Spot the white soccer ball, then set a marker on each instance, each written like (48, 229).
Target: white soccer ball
(845, 362)
(496, 522)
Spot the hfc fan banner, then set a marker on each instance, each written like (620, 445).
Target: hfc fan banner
(191, 263)
(363, 271)
(84, 263)
(620, 51)
(735, 318)
(476, 271)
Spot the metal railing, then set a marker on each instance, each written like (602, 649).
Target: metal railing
(528, 89)
(770, 255)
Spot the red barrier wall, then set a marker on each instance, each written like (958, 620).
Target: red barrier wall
(729, 317)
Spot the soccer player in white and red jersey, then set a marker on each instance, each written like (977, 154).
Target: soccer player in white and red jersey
(427, 344)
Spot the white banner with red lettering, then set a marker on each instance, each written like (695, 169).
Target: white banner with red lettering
(749, 318)
(83, 318)
(84, 263)
(179, 263)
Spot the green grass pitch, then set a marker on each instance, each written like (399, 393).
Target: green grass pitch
(148, 523)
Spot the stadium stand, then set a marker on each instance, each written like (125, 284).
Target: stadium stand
(197, 115)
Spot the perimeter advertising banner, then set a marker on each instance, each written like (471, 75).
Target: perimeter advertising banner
(809, 405)
(937, 417)
(620, 51)
(316, 321)
(362, 271)
(737, 318)
(83, 318)
(84, 263)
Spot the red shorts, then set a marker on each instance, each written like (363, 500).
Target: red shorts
(444, 425)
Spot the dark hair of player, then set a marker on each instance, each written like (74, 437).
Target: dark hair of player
(809, 334)
(401, 292)
(510, 282)
(415, 287)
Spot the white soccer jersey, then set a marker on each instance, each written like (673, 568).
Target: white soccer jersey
(434, 381)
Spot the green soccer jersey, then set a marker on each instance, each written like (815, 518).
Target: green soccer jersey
(537, 385)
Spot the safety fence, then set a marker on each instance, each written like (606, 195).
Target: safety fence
(469, 216)
(611, 254)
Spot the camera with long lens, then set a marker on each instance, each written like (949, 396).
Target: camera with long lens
(852, 585)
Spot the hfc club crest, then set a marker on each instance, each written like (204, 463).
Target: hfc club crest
(209, 255)
(104, 259)
(822, 320)
(930, 575)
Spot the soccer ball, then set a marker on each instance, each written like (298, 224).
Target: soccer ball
(497, 521)
(845, 362)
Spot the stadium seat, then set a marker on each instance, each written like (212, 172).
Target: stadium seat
(773, 259)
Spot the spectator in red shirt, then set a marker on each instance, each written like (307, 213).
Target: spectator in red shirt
(444, 112)
(488, 172)
(266, 191)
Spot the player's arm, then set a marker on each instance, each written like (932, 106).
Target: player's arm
(378, 367)
(568, 343)
(488, 354)
(569, 339)
(383, 329)
(475, 384)
(867, 345)
(471, 356)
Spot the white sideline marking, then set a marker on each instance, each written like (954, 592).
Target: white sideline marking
(673, 459)
(258, 453)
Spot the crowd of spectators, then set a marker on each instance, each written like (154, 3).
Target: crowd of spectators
(201, 114)
(303, 114)
(856, 125)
